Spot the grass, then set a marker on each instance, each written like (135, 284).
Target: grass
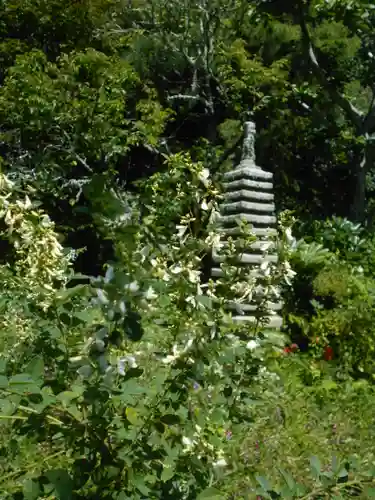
(294, 422)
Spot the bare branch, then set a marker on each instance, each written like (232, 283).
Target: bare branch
(185, 97)
(193, 99)
(354, 114)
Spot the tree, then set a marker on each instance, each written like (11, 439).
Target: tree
(197, 58)
(65, 123)
(336, 42)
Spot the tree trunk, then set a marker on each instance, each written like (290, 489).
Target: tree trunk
(364, 164)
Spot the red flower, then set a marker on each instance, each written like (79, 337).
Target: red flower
(291, 348)
(328, 353)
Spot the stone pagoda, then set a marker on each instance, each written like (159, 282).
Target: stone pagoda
(248, 195)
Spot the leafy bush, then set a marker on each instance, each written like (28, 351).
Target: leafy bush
(113, 418)
(330, 307)
(345, 317)
(348, 240)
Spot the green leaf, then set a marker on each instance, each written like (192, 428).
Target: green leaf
(25, 383)
(36, 368)
(7, 407)
(133, 388)
(3, 382)
(139, 483)
(369, 493)
(290, 482)
(62, 483)
(316, 466)
(87, 316)
(264, 483)
(21, 378)
(204, 301)
(329, 385)
(122, 496)
(31, 490)
(67, 294)
(132, 416)
(170, 419)
(167, 474)
(210, 494)
(343, 473)
(67, 396)
(3, 365)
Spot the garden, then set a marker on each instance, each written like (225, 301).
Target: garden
(122, 372)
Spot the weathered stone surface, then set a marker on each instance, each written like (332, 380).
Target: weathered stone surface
(251, 218)
(247, 258)
(217, 272)
(274, 322)
(247, 184)
(243, 171)
(246, 194)
(272, 306)
(258, 245)
(262, 232)
(245, 206)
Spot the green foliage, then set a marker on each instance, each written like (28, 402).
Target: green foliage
(332, 299)
(136, 384)
(52, 26)
(349, 241)
(126, 386)
(66, 120)
(347, 324)
(302, 437)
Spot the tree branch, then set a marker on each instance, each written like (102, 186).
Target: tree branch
(353, 114)
(370, 117)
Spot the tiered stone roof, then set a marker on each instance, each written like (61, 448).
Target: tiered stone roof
(248, 195)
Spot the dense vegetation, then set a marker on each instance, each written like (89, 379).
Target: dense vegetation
(121, 374)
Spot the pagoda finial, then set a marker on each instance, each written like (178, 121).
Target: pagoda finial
(248, 148)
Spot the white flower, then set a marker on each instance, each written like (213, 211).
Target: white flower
(193, 276)
(220, 463)
(133, 287)
(126, 361)
(204, 176)
(252, 344)
(102, 296)
(204, 205)
(150, 294)
(187, 441)
(265, 265)
(171, 357)
(176, 269)
(181, 230)
(109, 275)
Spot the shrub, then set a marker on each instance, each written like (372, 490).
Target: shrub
(127, 387)
(330, 306)
(345, 317)
(350, 241)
